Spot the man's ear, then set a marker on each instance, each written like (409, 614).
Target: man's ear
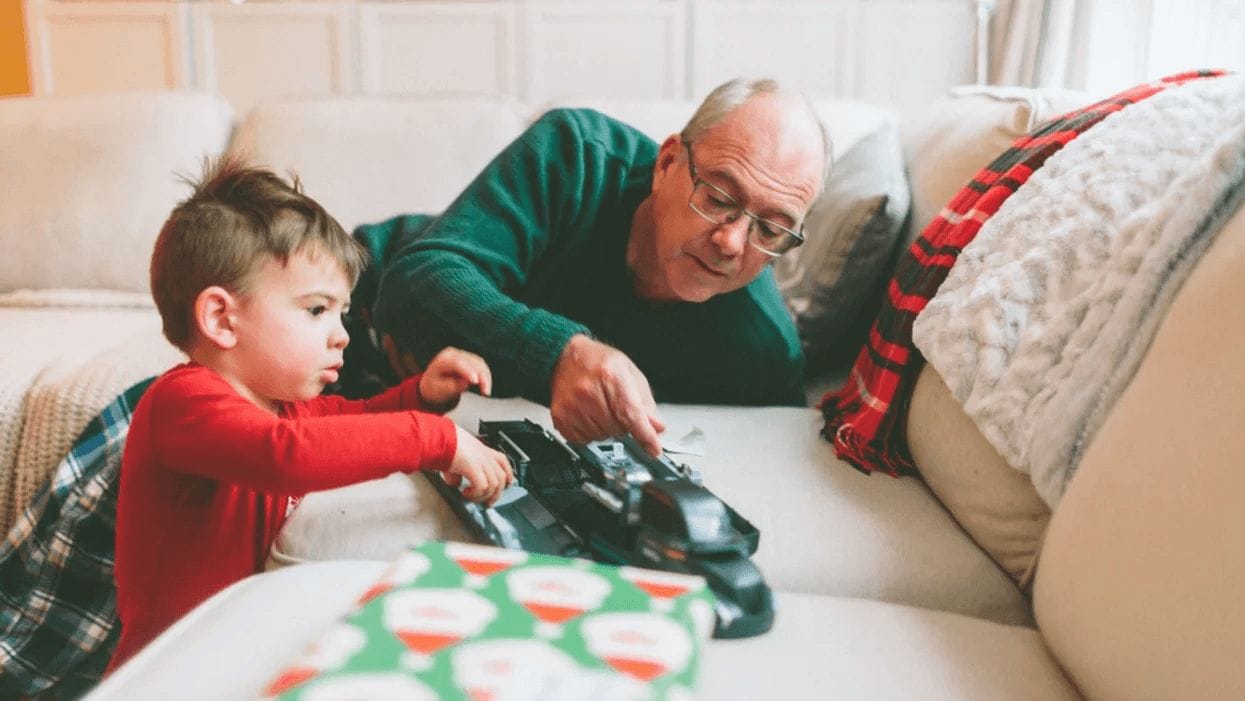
(667, 156)
(214, 312)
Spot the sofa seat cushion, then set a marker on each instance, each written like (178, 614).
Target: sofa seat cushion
(825, 528)
(820, 647)
(995, 503)
(59, 366)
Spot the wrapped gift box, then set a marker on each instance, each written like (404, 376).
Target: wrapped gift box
(454, 620)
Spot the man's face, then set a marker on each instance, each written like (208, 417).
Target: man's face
(767, 157)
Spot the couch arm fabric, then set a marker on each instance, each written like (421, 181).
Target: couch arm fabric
(1138, 589)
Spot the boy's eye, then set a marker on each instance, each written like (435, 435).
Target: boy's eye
(317, 310)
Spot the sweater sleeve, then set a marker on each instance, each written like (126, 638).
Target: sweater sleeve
(208, 430)
(401, 397)
(460, 282)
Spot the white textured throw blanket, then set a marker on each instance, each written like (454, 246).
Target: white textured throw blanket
(1047, 313)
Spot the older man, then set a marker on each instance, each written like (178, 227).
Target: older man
(602, 273)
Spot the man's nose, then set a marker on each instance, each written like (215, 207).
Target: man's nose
(731, 238)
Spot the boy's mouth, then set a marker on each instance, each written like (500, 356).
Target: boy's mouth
(330, 374)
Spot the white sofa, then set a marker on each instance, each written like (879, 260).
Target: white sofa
(886, 588)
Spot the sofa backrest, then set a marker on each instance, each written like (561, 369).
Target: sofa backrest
(367, 159)
(85, 183)
(847, 121)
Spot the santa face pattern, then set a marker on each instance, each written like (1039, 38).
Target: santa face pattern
(470, 621)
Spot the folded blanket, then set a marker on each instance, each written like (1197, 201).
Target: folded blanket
(865, 418)
(58, 614)
(1048, 312)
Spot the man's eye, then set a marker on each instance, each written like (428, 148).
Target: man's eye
(768, 230)
(317, 310)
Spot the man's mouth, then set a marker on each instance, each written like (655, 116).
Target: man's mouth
(707, 268)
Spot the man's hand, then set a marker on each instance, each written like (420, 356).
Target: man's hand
(487, 470)
(599, 393)
(450, 373)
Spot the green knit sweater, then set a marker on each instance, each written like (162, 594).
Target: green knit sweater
(534, 252)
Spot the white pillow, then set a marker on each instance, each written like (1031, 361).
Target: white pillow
(962, 132)
(86, 182)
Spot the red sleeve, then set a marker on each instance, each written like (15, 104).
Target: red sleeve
(402, 397)
(205, 428)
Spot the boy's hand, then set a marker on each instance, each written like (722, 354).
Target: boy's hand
(449, 374)
(487, 470)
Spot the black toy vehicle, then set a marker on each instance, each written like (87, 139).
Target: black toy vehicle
(611, 502)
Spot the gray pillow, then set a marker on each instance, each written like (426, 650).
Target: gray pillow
(833, 284)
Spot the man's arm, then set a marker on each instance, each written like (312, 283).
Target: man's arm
(462, 281)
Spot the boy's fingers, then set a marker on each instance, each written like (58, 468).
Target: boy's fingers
(486, 380)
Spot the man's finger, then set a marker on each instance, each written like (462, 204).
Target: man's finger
(627, 408)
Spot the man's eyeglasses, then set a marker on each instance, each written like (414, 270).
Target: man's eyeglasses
(715, 205)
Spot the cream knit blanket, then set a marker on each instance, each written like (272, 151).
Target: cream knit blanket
(1047, 313)
(67, 353)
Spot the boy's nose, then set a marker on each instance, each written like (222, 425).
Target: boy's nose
(339, 338)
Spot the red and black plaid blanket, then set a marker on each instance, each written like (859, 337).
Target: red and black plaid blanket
(866, 418)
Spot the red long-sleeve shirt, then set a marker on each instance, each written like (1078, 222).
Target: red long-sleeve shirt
(207, 479)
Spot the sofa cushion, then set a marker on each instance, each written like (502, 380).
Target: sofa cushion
(996, 504)
(962, 132)
(368, 159)
(833, 284)
(825, 528)
(820, 647)
(89, 220)
(1138, 588)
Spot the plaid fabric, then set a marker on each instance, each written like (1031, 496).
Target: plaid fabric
(865, 419)
(58, 615)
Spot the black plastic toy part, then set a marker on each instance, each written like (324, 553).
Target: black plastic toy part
(611, 502)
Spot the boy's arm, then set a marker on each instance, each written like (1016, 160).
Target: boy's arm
(403, 396)
(206, 429)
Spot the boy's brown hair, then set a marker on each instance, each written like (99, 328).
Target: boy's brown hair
(236, 217)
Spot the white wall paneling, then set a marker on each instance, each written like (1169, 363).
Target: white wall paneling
(437, 47)
(912, 50)
(618, 48)
(247, 52)
(898, 52)
(810, 44)
(85, 47)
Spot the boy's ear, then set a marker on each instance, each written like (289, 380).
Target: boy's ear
(214, 316)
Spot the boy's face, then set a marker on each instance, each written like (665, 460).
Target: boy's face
(289, 328)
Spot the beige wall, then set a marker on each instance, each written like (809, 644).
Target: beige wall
(14, 78)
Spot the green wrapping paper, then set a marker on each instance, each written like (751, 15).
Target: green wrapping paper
(461, 621)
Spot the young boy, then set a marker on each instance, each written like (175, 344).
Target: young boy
(251, 278)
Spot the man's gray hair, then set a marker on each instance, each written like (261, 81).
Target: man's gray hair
(733, 93)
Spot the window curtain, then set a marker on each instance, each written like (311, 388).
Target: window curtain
(1038, 43)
